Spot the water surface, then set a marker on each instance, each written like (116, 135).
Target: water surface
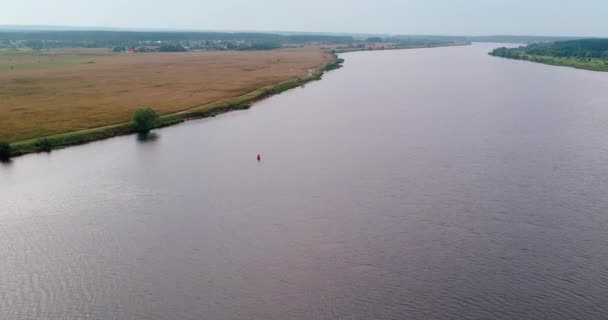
(414, 184)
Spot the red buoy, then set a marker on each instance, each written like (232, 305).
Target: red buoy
(259, 158)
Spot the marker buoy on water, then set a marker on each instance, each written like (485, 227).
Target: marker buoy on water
(259, 158)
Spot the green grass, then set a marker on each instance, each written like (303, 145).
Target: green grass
(56, 141)
(336, 64)
(593, 64)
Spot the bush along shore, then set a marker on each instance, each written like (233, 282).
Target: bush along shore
(62, 140)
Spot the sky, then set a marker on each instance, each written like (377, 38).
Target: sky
(446, 17)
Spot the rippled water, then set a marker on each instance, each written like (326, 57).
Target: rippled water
(416, 184)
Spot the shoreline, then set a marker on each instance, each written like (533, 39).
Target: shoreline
(212, 109)
(458, 44)
(560, 62)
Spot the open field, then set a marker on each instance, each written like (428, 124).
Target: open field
(45, 93)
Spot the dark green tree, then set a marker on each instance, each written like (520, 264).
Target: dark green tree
(5, 150)
(171, 48)
(374, 39)
(44, 144)
(144, 119)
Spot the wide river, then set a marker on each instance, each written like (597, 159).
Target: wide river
(415, 184)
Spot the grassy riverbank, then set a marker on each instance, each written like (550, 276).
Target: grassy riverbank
(399, 46)
(592, 64)
(241, 102)
(587, 54)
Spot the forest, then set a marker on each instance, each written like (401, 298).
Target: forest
(584, 48)
(112, 39)
(588, 54)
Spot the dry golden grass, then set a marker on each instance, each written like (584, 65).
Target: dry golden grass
(69, 90)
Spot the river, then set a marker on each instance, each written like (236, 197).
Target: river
(412, 184)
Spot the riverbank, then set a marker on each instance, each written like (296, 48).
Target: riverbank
(586, 54)
(48, 143)
(389, 46)
(591, 64)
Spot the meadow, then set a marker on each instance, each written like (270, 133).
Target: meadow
(58, 91)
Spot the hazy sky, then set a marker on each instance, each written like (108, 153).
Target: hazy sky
(462, 17)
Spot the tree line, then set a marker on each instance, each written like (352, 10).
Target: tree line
(111, 39)
(585, 48)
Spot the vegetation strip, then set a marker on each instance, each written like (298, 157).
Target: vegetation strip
(587, 54)
(399, 46)
(45, 144)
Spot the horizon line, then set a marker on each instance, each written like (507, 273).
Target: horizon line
(18, 27)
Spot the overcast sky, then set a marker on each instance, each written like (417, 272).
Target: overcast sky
(456, 17)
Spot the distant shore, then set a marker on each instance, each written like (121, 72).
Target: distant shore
(383, 48)
(586, 54)
(591, 64)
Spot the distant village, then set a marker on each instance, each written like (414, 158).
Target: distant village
(192, 45)
(148, 45)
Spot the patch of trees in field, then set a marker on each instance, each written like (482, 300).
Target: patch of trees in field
(171, 48)
(144, 120)
(266, 45)
(5, 151)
